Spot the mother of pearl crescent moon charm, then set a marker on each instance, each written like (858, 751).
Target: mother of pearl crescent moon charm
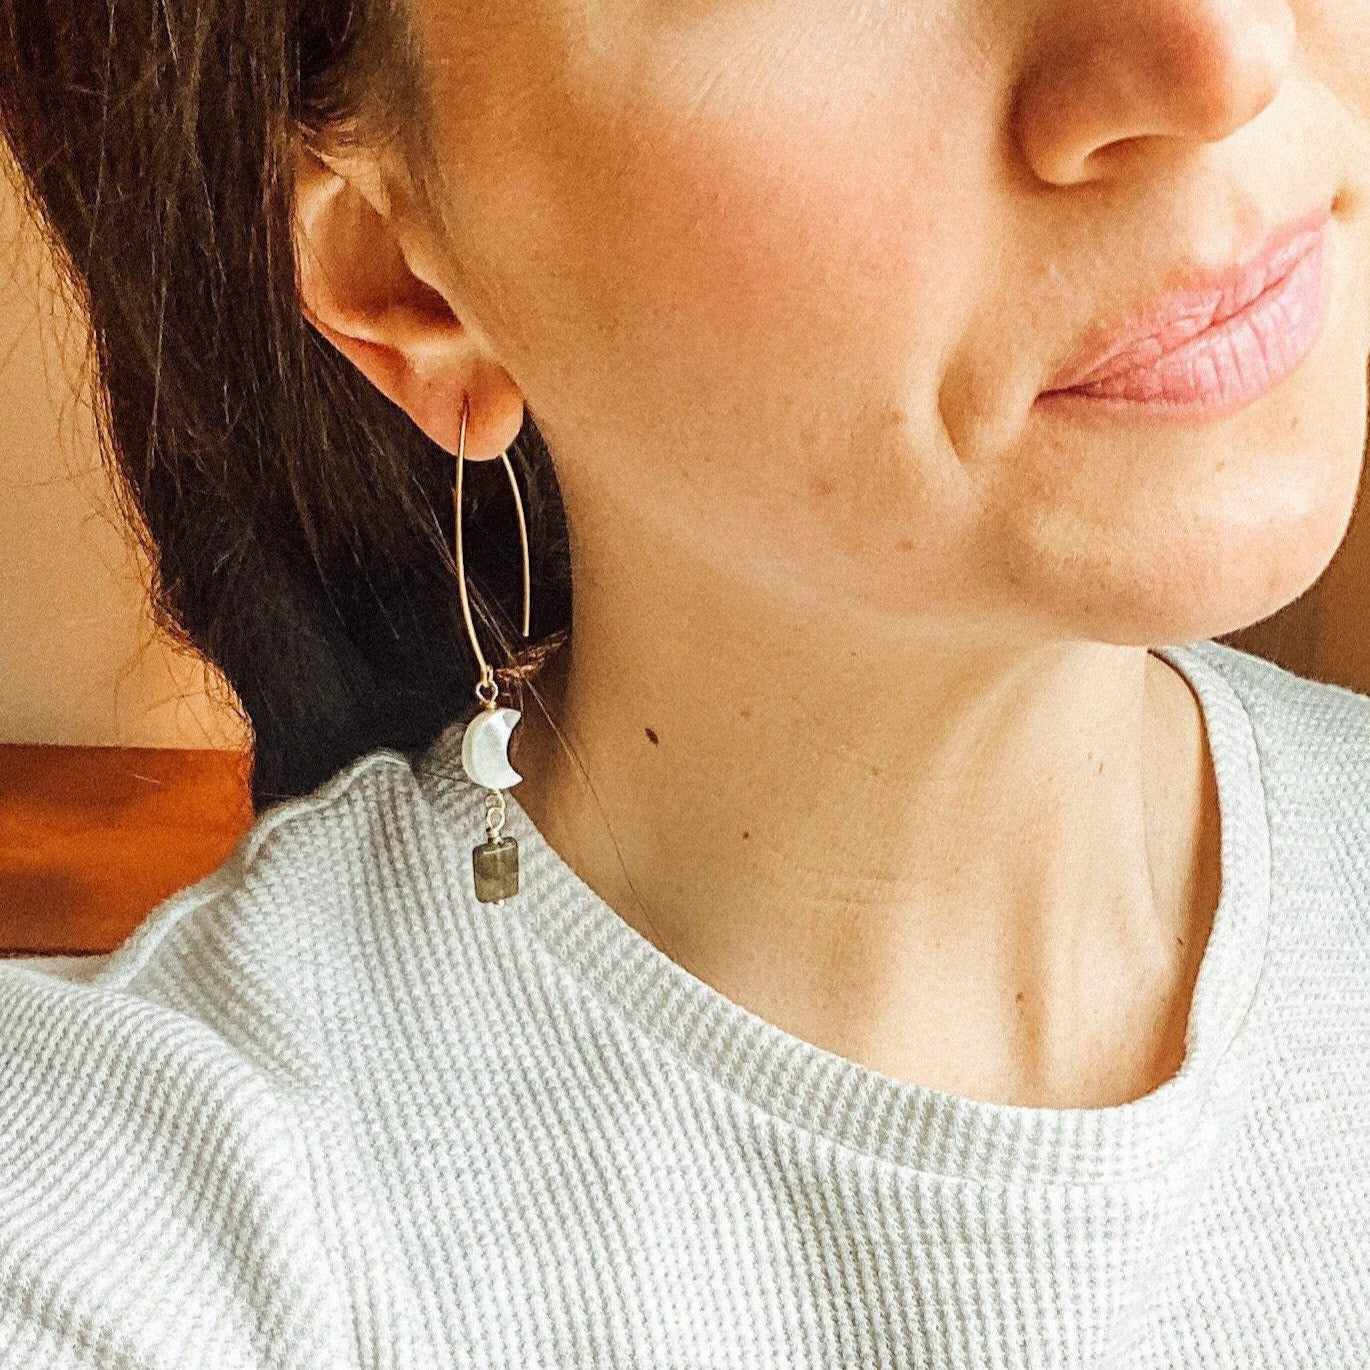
(485, 748)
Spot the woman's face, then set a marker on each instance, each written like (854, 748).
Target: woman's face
(780, 281)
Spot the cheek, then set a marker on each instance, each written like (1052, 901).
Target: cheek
(729, 201)
(807, 255)
(768, 230)
(815, 281)
(1336, 39)
(751, 219)
(811, 281)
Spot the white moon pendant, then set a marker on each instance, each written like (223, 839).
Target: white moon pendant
(485, 748)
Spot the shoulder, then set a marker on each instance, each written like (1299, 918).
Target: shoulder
(1286, 705)
(155, 1180)
(224, 966)
(1312, 741)
(1312, 736)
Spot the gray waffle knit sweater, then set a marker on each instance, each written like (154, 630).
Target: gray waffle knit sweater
(324, 1109)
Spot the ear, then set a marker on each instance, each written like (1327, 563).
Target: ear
(360, 290)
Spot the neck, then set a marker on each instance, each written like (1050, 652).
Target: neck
(991, 872)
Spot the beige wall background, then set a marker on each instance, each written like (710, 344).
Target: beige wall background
(80, 661)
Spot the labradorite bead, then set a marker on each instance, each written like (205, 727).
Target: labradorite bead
(496, 869)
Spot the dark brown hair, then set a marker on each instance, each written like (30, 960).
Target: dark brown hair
(298, 523)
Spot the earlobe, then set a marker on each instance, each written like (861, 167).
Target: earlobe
(359, 292)
(433, 401)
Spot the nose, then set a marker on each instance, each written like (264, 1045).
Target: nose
(1155, 75)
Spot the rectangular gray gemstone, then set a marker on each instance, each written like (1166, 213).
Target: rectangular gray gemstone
(495, 866)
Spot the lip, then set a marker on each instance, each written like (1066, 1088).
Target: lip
(1207, 310)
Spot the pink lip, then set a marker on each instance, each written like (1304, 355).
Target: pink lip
(1218, 341)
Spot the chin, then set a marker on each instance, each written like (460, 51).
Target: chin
(1182, 579)
(1230, 588)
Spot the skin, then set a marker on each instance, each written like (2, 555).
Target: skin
(859, 669)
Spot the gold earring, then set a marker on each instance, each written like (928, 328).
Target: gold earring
(485, 743)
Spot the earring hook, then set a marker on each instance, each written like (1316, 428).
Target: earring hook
(487, 679)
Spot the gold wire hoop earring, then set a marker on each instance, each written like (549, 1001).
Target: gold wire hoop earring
(485, 743)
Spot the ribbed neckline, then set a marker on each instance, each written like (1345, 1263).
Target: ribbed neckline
(909, 1124)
